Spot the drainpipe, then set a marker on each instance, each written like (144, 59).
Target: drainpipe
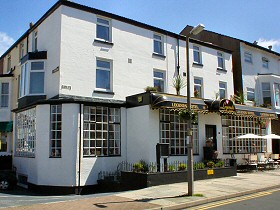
(178, 56)
(80, 151)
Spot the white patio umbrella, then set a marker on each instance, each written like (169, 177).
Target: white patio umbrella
(271, 136)
(249, 136)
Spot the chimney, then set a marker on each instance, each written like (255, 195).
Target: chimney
(270, 47)
(255, 43)
(31, 24)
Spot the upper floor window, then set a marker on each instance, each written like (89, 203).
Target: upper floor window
(158, 44)
(265, 62)
(103, 29)
(222, 90)
(197, 55)
(21, 51)
(248, 57)
(266, 94)
(159, 80)
(103, 75)
(250, 94)
(35, 41)
(221, 61)
(32, 78)
(198, 87)
(4, 95)
(277, 94)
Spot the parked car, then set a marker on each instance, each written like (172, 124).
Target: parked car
(8, 180)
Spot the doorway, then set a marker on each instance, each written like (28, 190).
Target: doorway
(211, 132)
(275, 146)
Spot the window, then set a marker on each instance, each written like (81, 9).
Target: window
(248, 57)
(198, 87)
(9, 64)
(26, 133)
(233, 126)
(4, 95)
(158, 44)
(32, 78)
(221, 61)
(277, 94)
(3, 142)
(174, 132)
(159, 80)
(103, 29)
(197, 55)
(103, 75)
(222, 90)
(265, 62)
(35, 41)
(266, 94)
(102, 131)
(250, 94)
(56, 125)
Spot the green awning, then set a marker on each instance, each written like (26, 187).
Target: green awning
(6, 126)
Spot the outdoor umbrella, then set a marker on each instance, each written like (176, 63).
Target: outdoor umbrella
(271, 136)
(249, 136)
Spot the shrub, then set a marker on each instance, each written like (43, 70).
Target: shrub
(182, 167)
(221, 163)
(199, 165)
(151, 89)
(140, 166)
(210, 164)
(171, 168)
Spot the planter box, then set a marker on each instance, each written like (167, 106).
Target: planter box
(134, 180)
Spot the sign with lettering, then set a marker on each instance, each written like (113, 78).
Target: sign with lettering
(227, 105)
(66, 87)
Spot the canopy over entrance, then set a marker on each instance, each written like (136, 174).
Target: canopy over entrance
(6, 126)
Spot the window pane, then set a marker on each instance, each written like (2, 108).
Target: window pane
(105, 22)
(197, 81)
(158, 74)
(196, 56)
(37, 65)
(159, 84)
(157, 37)
(103, 79)
(103, 64)
(158, 47)
(5, 88)
(36, 82)
(103, 32)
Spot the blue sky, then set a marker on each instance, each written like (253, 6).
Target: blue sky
(248, 20)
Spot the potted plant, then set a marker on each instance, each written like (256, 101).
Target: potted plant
(149, 89)
(178, 83)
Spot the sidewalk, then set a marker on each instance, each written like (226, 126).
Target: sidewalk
(170, 196)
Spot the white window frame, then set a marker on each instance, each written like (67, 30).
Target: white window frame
(266, 91)
(195, 50)
(248, 57)
(21, 51)
(250, 91)
(220, 88)
(265, 63)
(56, 131)
(160, 79)
(161, 41)
(109, 26)
(277, 94)
(110, 70)
(198, 85)
(25, 77)
(9, 64)
(221, 60)
(2, 95)
(35, 41)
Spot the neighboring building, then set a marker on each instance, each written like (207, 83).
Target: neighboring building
(255, 73)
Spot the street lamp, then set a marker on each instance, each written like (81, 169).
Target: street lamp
(196, 30)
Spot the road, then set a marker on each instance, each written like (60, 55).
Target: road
(258, 201)
(22, 197)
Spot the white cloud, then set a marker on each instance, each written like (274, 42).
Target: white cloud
(275, 43)
(5, 42)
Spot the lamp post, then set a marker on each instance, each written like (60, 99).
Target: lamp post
(194, 31)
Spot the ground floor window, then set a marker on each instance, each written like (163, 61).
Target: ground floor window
(174, 132)
(56, 123)
(3, 142)
(102, 131)
(234, 126)
(26, 133)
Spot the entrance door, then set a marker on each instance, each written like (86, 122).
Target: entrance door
(210, 132)
(275, 146)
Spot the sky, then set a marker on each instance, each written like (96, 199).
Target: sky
(248, 20)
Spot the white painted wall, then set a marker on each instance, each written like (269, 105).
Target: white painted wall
(208, 72)
(79, 53)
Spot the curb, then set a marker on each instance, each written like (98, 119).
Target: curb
(209, 200)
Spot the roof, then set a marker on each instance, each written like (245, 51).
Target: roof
(240, 40)
(94, 11)
(210, 45)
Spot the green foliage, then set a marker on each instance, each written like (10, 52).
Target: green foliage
(220, 164)
(182, 167)
(179, 83)
(185, 115)
(171, 168)
(239, 98)
(199, 165)
(151, 89)
(141, 166)
(210, 164)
